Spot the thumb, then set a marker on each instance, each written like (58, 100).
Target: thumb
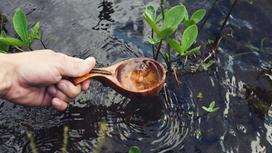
(75, 67)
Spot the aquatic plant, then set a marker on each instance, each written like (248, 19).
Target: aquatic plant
(65, 139)
(32, 142)
(26, 35)
(211, 108)
(33, 146)
(164, 25)
(102, 133)
(134, 149)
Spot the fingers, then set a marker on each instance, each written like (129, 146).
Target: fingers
(63, 92)
(69, 89)
(59, 104)
(85, 85)
(75, 67)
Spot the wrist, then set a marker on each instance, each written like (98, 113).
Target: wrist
(7, 69)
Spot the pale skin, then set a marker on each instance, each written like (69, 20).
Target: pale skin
(39, 78)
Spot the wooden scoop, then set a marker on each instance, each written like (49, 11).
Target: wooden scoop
(134, 76)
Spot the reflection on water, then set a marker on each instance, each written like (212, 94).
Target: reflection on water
(172, 121)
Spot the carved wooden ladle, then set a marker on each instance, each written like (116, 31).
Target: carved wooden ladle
(134, 76)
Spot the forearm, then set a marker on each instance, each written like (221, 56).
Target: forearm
(6, 73)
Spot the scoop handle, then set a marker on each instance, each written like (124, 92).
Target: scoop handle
(94, 72)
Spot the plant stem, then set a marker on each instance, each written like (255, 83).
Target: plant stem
(153, 49)
(162, 8)
(169, 63)
(158, 50)
(219, 37)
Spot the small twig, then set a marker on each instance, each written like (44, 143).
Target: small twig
(209, 56)
(43, 44)
(186, 58)
(176, 76)
(227, 17)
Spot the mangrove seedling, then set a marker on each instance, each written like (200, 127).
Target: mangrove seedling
(26, 35)
(212, 108)
(166, 24)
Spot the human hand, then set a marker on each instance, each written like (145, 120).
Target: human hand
(38, 78)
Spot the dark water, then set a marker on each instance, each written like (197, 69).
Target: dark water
(240, 82)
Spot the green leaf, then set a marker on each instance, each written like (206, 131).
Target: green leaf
(165, 33)
(186, 15)
(151, 12)
(207, 65)
(200, 95)
(159, 17)
(212, 104)
(188, 23)
(35, 34)
(191, 52)
(153, 41)
(134, 149)
(175, 44)
(198, 15)
(211, 108)
(11, 41)
(205, 108)
(173, 18)
(189, 37)
(149, 18)
(20, 25)
(3, 47)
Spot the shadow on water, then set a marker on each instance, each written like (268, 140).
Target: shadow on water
(171, 122)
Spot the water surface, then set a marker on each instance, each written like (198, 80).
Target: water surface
(240, 82)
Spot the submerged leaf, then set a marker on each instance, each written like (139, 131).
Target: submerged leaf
(211, 108)
(207, 65)
(134, 149)
(20, 25)
(198, 15)
(200, 95)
